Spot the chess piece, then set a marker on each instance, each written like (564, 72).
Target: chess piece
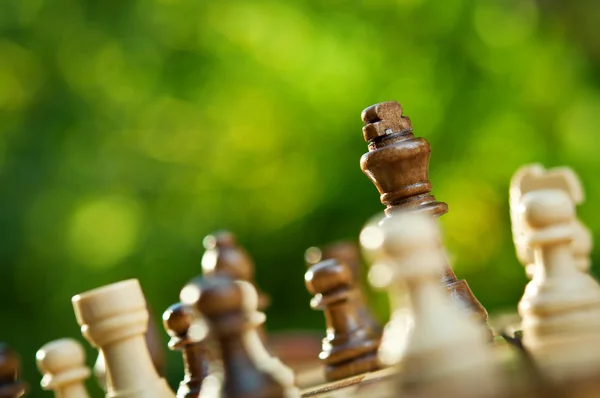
(154, 346)
(62, 363)
(582, 246)
(534, 177)
(398, 165)
(561, 305)
(178, 321)
(346, 253)
(224, 256)
(221, 301)
(447, 352)
(10, 367)
(283, 374)
(114, 318)
(350, 347)
(396, 331)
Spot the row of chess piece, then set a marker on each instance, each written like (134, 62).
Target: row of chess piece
(219, 308)
(437, 343)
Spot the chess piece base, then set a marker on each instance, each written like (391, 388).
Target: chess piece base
(352, 367)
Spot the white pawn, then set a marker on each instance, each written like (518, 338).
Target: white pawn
(395, 333)
(534, 177)
(114, 318)
(447, 352)
(254, 345)
(62, 362)
(561, 305)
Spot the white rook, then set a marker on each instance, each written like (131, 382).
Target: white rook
(114, 318)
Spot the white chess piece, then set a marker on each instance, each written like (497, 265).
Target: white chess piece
(582, 246)
(561, 305)
(62, 362)
(534, 177)
(447, 351)
(114, 318)
(395, 333)
(255, 347)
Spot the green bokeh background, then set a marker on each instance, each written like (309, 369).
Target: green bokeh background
(131, 129)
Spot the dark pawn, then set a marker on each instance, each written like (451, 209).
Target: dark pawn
(398, 164)
(224, 256)
(177, 320)
(349, 348)
(10, 367)
(220, 301)
(347, 253)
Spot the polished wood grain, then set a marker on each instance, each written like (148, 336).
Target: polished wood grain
(221, 302)
(178, 320)
(398, 165)
(347, 254)
(350, 347)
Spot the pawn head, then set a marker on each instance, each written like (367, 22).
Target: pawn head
(224, 256)
(177, 319)
(408, 245)
(347, 253)
(544, 208)
(326, 276)
(59, 356)
(214, 296)
(183, 324)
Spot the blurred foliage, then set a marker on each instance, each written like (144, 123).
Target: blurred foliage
(131, 129)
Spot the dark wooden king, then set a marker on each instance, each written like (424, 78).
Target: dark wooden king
(398, 164)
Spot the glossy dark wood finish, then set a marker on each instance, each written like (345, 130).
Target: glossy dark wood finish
(177, 320)
(221, 303)
(350, 347)
(398, 165)
(224, 256)
(397, 162)
(348, 254)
